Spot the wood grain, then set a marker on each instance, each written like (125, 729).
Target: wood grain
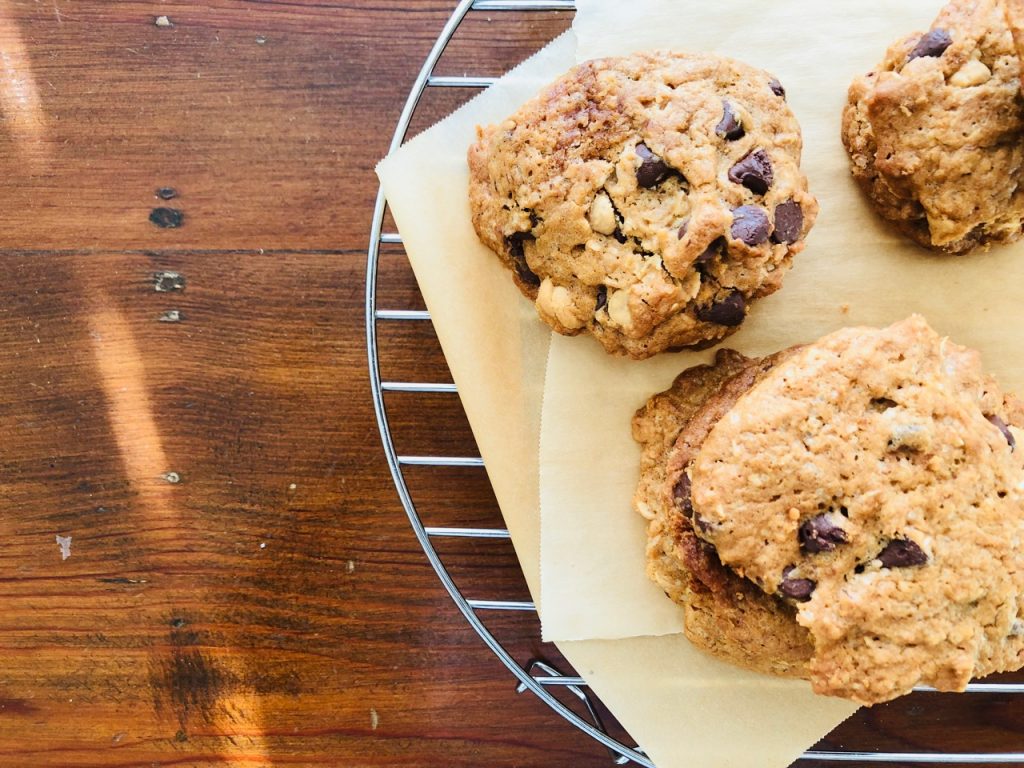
(190, 406)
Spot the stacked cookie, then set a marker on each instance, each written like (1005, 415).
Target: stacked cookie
(848, 511)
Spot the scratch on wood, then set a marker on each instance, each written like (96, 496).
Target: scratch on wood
(165, 282)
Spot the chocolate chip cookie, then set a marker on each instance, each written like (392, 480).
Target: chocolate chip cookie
(725, 614)
(646, 200)
(862, 498)
(936, 133)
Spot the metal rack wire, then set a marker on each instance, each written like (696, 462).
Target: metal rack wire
(536, 675)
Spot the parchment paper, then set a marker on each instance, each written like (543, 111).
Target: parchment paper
(855, 270)
(681, 713)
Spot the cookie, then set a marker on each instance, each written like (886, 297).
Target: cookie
(724, 614)
(647, 200)
(935, 134)
(870, 480)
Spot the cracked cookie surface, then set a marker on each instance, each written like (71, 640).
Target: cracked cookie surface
(935, 134)
(646, 200)
(871, 481)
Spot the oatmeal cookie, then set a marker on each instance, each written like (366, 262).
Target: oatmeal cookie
(935, 134)
(725, 614)
(646, 200)
(871, 481)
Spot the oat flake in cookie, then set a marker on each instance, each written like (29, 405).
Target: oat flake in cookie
(936, 133)
(647, 200)
(871, 482)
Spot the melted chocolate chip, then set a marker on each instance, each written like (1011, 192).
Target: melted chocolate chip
(167, 193)
(515, 248)
(1001, 426)
(682, 229)
(515, 243)
(681, 495)
(653, 170)
(714, 248)
(932, 43)
(789, 221)
(753, 171)
(902, 553)
(750, 224)
(777, 88)
(797, 589)
(819, 534)
(602, 298)
(729, 311)
(729, 128)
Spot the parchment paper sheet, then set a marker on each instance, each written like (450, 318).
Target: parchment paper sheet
(855, 270)
(683, 714)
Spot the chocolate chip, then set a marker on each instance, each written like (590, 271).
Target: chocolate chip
(789, 222)
(798, 589)
(716, 247)
(729, 128)
(167, 218)
(932, 43)
(515, 248)
(902, 553)
(515, 243)
(882, 404)
(703, 524)
(753, 171)
(682, 229)
(681, 495)
(819, 534)
(602, 298)
(526, 274)
(653, 170)
(750, 224)
(777, 88)
(1001, 426)
(729, 311)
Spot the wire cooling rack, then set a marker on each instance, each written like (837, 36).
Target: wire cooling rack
(535, 675)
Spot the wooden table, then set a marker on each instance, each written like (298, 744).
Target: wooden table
(202, 557)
